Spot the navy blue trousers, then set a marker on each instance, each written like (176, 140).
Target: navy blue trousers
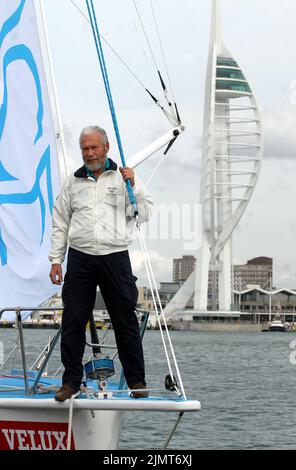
(113, 274)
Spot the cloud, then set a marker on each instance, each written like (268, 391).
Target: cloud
(279, 132)
(161, 266)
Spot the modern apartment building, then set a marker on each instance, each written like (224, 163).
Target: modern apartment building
(183, 267)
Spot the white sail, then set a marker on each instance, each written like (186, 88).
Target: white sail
(29, 179)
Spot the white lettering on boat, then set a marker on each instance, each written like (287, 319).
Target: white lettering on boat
(18, 435)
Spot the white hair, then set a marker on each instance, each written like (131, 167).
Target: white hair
(91, 130)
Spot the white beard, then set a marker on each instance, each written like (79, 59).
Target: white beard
(95, 166)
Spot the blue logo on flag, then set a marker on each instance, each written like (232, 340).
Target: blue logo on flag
(20, 52)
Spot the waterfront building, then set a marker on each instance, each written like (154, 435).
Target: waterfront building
(281, 302)
(183, 267)
(257, 272)
(166, 291)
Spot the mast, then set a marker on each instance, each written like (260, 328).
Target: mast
(52, 90)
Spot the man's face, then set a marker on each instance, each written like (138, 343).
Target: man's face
(94, 151)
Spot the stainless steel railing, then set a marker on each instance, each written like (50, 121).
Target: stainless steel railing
(18, 314)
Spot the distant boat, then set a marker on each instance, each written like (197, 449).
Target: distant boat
(277, 325)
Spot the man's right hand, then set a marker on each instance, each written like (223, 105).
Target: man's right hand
(56, 274)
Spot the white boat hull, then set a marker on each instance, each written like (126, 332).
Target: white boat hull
(42, 424)
(277, 325)
(35, 429)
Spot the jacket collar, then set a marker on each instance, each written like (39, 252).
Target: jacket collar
(82, 173)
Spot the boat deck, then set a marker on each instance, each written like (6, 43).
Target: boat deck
(13, 394)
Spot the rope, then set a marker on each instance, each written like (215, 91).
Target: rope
(47, 388)
(69, 432)
(70, 420)
(100, 53)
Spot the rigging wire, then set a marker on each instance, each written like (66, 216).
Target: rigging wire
(162, 50)
(160, 161)
(154, 59)
(168, 440)
(147, 182)
(100, 52)
(146, 36)
(159, 311)
(112, 49)
(171, 117)
(156, 307)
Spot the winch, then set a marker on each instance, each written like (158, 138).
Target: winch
(100, 369)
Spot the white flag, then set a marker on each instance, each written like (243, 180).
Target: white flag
(29, 179)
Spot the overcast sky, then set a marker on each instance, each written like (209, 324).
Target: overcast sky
(261, 36)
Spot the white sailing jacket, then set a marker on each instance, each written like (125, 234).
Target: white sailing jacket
(96, 217)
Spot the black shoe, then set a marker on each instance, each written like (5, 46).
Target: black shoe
(64, 393)
(139, 391)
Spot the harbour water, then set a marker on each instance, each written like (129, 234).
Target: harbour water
(245, 382)
(246, 385)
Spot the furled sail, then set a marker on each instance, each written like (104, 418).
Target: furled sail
(29, 179)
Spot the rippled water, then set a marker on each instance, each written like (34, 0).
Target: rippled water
(246, 385)
(244, 381)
